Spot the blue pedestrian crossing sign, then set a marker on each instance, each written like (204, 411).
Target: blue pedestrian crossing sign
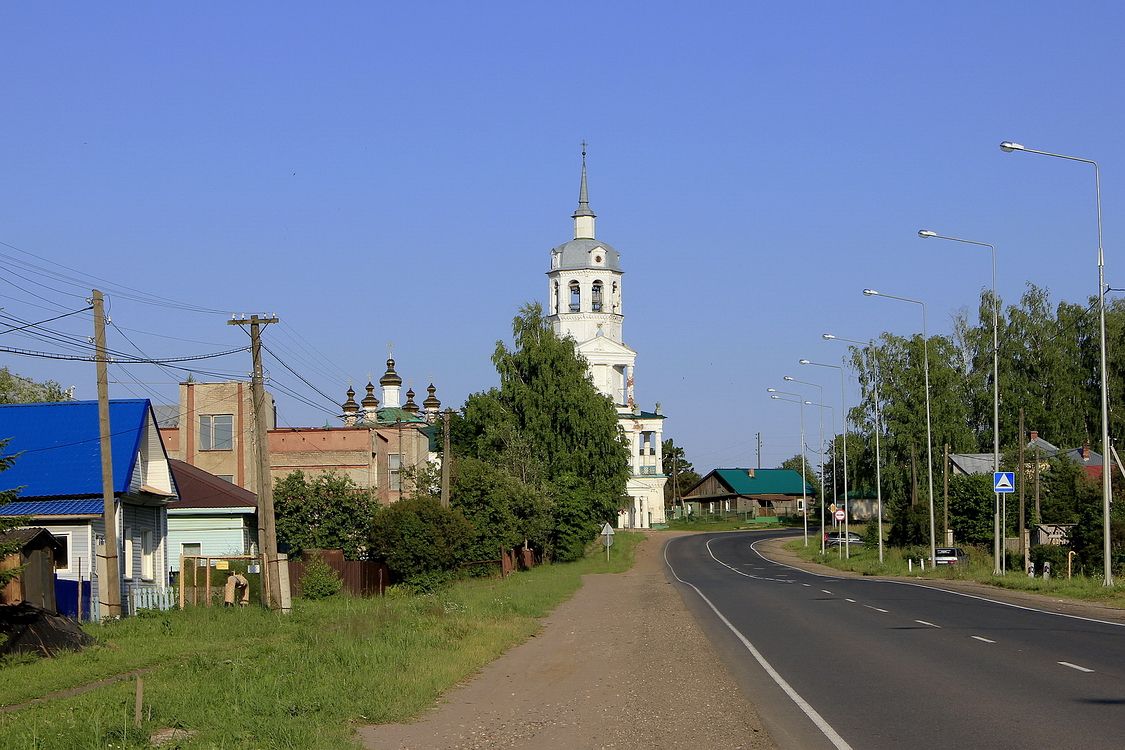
(1003, 481)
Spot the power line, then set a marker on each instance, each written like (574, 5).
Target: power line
(299, 376)
(129, 361)
(41, 322)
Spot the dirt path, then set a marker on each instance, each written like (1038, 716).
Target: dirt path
(621, 665)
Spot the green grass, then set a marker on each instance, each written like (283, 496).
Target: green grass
(251, 678)
(978, 568)
(717, 523)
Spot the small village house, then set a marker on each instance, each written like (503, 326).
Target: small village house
(57, 473)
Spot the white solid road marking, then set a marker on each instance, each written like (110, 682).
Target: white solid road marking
(1075, 666)
(923, 622)
(826, 729)
(877, 609)
(982, 639)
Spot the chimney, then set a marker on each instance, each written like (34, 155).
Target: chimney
(1086, 451)
(750, 473)
(1034, 435)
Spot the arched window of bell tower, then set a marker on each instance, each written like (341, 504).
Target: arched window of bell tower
(555, 298)
(575, 297)
(615, 299)
(596, 296)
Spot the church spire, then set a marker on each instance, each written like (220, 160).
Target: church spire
(583, 216)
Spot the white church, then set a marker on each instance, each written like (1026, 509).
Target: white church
(584, 292)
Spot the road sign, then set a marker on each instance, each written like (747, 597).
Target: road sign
(841, 515)
(607, 539)
(832, 508)
(1004, 481)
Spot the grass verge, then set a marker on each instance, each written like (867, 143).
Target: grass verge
(252, 679)
(978, 568)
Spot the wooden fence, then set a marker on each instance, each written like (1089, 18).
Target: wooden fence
(359, 577)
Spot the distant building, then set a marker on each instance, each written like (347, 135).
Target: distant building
(1037, 449)
(584, 287)
(212, 428)
(761, 492)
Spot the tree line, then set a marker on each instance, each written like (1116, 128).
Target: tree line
(1048, 369)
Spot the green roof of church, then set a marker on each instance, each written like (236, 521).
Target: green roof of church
(764, 481)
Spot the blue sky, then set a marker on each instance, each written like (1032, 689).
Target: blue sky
(398, 173)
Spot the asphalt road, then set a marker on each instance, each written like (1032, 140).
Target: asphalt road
(870, 663)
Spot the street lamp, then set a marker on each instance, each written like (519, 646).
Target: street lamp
(999, 519)
(870, 345)
(929, 430)
(844, 424)
(1008, 147)
(820, 389)
(804, 498)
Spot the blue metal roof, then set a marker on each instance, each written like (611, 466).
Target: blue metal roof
(61, 507)
(57, 449)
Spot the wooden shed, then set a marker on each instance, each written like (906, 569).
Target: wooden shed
(39, 554)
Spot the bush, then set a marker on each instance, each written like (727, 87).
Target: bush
(320, 581)
(418, 537)
(1053, 553)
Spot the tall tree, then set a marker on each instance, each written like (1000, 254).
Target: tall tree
(681, 474)
(325, 511)
(16, 389)
(548, 426)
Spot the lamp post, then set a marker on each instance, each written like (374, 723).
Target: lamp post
(1009, 147)
(804, 498)
(870, 345)
(820, 389)
(844, 424)
(999, 518)
(929, 429)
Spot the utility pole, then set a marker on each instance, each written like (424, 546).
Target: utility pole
(1024, 550)
(945, 494)
(267, 528)
(446, 459)
(109, 594)
(760, 450)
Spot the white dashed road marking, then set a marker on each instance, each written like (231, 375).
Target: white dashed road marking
(1075, 666)
(982, 639)
(877, 609)
(850, 600)
(825, 590)
(923, 622)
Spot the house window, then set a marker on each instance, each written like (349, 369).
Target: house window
(147, 555)
(596, 297)
(62, 557)
(575, 297)
(216, 432)
(127, 538)
(394, 463)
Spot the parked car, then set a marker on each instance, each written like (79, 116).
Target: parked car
(839, 538)
(950, 556)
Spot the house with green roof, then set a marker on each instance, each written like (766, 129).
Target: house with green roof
(765, 493)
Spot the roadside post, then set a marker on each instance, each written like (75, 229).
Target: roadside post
(1003, 483)
(607, 539)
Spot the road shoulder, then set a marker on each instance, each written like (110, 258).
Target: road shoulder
(623, 664)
